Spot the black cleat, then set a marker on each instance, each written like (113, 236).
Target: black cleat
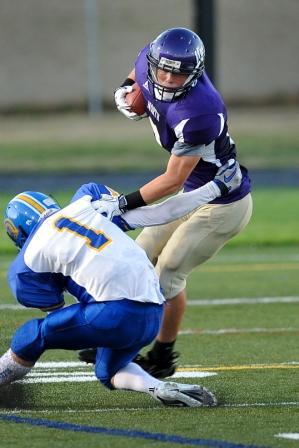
(88, 355)
(158, 368)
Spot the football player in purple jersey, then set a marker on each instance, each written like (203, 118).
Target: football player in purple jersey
(189, 120)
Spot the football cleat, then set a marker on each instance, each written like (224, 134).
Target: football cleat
(88, 355)
(158, 368)
(184, 395)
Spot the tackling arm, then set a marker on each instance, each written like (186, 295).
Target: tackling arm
(228, 178)
(172, 208)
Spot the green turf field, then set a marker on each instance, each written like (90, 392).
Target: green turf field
(241, 325)
(249, 345)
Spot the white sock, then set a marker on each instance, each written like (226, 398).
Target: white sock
(133, 377)
(10, 370)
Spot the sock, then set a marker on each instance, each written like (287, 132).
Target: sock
(133, 377)
(10, 370)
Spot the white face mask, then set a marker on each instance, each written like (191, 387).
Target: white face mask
(164, 94)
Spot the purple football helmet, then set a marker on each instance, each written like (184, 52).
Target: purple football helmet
(180, 51)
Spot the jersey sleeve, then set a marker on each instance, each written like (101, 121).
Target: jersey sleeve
(195, 135)
(172, 208)
(37, 290)
(94, 190)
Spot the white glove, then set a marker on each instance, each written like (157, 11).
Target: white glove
(122, 106)
(228, 177)
(109, 206)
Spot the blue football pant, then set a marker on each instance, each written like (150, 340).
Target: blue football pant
(120, 329)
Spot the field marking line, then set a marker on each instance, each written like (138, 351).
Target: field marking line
(152, 408)
(58, 364)
(243, 301)
(34, 374)
(73, 377)
(221, 331)
(288, 435)
(128, 433)
(51, 374)
(198, 302)
(257, 267)
(240, 367)
(194, 367)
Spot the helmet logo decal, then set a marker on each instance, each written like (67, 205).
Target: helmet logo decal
(164, 63)
(11, 229)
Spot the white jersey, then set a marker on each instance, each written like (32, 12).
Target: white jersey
(79, 242)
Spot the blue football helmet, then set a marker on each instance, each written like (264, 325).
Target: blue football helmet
(180, 51)
(23, 213)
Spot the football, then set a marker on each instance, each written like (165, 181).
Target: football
(135, 100)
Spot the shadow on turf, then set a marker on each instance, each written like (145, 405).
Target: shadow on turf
(16, 396)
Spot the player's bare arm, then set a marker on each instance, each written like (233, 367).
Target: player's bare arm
(178, 169)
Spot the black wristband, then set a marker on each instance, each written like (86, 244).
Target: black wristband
(128, 82)
(222, 187)
(134, 200)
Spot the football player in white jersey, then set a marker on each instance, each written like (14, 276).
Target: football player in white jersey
(120, 305)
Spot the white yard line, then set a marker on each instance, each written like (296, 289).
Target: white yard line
(59, 364)
(56, 371)
(83, 377)
(243, 301)
(288, 435)
(201, 302)
(220, 331)
(152, 408)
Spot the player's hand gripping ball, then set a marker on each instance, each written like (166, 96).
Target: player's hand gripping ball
(130, 102)
(135, 100)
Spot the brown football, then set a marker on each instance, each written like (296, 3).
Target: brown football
(135, 100)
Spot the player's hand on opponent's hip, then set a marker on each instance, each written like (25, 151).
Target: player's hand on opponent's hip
(108, 206)
(228, 177)
(122, 106)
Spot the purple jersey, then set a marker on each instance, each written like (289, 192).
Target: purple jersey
(193, 125)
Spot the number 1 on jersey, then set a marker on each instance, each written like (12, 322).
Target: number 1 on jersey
(95, 239)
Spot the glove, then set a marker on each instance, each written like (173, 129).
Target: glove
(110, 206)
(228, 177)
(122, 106)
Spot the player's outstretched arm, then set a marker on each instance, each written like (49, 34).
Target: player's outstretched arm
(227, 179)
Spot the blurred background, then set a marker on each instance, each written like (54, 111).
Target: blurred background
(62, 60)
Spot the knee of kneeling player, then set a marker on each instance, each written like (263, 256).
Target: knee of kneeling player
(27, 342)
(106, 381)
(104, 377)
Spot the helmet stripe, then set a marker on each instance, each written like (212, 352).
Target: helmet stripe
(32, 202)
